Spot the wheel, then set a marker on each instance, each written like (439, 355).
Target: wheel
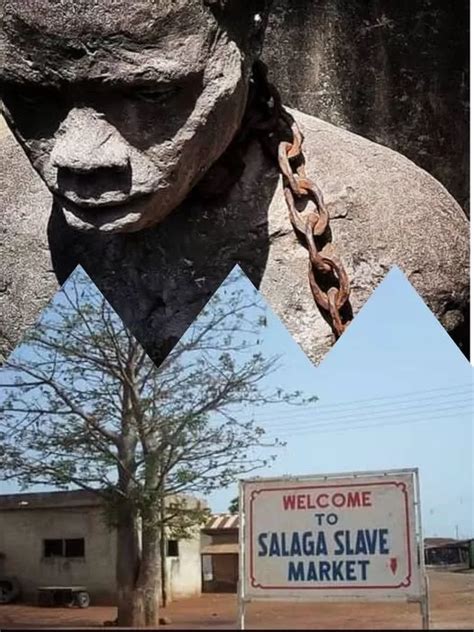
(9, 589)
(82, 599)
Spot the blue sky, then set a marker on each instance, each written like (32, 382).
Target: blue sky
(394, 392)
(397, 351)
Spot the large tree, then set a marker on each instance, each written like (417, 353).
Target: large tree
(84, 406)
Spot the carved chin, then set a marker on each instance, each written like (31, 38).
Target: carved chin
(126, 217)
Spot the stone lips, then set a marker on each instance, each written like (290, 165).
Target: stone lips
(373, 228)
(384, 210)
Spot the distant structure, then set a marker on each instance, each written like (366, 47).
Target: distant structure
(61, 539)
(449, 554)
(220, 553)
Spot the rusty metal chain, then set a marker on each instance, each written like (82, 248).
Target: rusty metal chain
(282, 138)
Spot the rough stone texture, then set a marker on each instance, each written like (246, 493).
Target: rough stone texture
(118, 157)
(123, 107)
(27, 279)
(384, 211)
(394, 72)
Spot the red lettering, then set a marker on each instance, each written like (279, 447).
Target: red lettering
(323, 501)
(288, 502)
(353, 499)
(319, 499)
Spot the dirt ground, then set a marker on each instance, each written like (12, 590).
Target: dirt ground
(451, 594)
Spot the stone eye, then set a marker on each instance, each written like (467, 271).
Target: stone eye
(29, 99)
(34, 98)
(155, 94)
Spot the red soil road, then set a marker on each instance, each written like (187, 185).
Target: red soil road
(451, 594)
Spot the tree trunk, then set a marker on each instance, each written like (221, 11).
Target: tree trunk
(128, 564)
(140, 605)
(138, 574)
(164, 587)
(147, 589)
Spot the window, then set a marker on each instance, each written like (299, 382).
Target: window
(53, 548)
(173, 550)
(73, 547)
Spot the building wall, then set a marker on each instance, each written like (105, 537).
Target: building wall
(21, 540)
(222, 568)
(184, 572)
(225, 569)
(449, 558)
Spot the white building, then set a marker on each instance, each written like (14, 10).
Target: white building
(61, 539)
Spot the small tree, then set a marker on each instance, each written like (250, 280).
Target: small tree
(234, 506)
(83, 405)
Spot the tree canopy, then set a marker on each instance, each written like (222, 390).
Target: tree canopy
(82, 405)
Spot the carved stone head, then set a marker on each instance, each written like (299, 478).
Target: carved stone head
(121, 105)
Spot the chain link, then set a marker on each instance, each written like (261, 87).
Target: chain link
(281, 136)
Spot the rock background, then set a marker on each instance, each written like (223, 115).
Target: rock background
(393, 71)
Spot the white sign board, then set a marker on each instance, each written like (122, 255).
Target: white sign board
(333, 537)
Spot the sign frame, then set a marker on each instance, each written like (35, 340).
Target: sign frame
(312, 595)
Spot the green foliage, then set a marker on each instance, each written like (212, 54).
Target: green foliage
(83, 405)
(234, 505)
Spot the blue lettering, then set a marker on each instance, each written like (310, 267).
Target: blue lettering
(384, 548)
(324, 568)
(360, 546)
(364, 564)
(295, 571)
(350, 571)
(262, 544)
(321, 546)
(308, 543)
(340, 546)
(337, 571)
(274, 545)
(371, 541)
(312, 572)
(349, 550)
(295, 544)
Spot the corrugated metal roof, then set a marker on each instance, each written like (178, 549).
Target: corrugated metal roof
(431, 541)
(438, 543)
(222, 521)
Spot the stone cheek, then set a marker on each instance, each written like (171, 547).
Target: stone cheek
(27, 279)
(385, 211)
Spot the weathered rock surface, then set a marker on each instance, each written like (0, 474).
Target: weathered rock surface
(385, 211)
(27, 279)
(394, 72)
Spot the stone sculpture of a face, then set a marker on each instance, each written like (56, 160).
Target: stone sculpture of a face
(122, 106)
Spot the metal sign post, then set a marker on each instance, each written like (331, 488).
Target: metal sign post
(424, 602)
(241, 586)
(425, 607)
(336, 537)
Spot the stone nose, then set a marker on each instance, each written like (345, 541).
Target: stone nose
(86, 142)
